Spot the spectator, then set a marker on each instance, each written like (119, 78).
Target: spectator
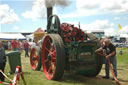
(2, 60)
(109, 52)
(18, 45)
(21, 46)
(26, 47)
(14, 44)
(9, 45)
(33, 44)
(5, 45)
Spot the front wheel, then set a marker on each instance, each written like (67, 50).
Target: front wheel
(53, 56)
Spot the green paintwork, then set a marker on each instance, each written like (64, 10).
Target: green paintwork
(82, 58)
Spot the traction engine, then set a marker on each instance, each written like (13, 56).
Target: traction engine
(66, 47)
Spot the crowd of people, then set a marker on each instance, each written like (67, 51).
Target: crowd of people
(13, 45)
(17, 45)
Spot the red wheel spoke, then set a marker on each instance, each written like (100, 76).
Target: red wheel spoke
(47, 49)
(54, 52)
(49, 63)
(46, 61)
(36, 58)
(54, 55)
(54, 58)
(49, 42)
(52, 48)
(50, 68)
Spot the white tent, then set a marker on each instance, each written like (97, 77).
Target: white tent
(124, 35)
(10, 36)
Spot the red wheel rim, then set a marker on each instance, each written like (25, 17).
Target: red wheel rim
(34, 58)
(48, 57)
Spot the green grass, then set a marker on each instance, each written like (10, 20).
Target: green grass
(122, 59)
(37, 77)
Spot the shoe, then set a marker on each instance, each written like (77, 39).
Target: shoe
(105, 77)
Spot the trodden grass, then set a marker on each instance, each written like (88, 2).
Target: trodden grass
(37, 77)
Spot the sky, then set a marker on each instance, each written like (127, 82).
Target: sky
(28, 15)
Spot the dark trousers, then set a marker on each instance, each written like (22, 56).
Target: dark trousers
(2, 66)
(113, 61)
(26, 52)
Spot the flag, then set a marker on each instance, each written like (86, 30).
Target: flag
(120, 26)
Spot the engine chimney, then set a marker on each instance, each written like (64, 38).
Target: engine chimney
(49, 12)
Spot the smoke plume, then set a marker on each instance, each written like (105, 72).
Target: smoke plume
(63, 3)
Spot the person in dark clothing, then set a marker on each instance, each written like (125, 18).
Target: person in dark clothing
(109, 51)
(2, 61)
(26, 47)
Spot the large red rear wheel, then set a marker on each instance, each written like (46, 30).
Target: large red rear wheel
(35, 58)
(53, 56)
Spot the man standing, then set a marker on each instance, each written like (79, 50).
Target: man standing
(14, 44)
(2, 61)
(18, 45)
(26, 47)
(110, 53)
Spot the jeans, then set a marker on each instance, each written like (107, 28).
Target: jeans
(26, 52)
(2, 66)
(113, 61)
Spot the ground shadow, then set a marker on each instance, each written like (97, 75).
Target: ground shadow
(83, 80)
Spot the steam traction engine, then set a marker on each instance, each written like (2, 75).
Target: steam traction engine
(66, 47)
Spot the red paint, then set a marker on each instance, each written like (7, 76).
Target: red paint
(71, 33)
(35, 57)
(48, 58)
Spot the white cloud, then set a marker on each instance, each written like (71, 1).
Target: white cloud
(38, 11)
(104, 25)
(15, 28)
(124, 30)
(23, 31)
(110, 31)
(7, 15)
(116, 18)
(114, 6)
(96, 7)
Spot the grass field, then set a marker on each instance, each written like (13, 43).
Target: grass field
(38, 78)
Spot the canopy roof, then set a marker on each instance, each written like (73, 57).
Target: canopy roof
(9, 36)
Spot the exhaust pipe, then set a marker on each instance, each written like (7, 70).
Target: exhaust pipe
(49, 12)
